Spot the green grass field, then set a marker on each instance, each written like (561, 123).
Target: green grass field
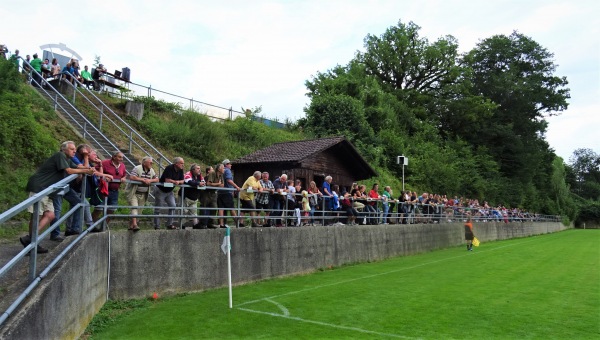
(543, 287)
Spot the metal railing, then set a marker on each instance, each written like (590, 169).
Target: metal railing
(106, 114)
(210, 110)
(31, 250)
(289, 214)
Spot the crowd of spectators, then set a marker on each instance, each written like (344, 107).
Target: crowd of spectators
(46, 70)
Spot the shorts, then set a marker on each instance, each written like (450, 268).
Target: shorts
(247, 205)
(264, 206)
(45, 204)
(469, 236)
(225, 201)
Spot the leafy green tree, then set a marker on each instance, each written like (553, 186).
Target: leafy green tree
(585, 165)
(517, 74)
(338, 115)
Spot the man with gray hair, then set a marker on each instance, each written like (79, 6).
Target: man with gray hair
(137, 193)
(250, 186)
(264, 200)
(279, 197)
(163, 194)
(51, 171)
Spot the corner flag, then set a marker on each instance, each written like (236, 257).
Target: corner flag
(226, 248)
(226, 245)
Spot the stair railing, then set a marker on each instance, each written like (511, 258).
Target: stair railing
(107, 114)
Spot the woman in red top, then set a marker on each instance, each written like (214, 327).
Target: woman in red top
(372, 204)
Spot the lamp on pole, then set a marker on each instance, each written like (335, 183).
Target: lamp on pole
(402, 160)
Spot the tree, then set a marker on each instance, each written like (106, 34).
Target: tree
(585, 165)
(516, 74)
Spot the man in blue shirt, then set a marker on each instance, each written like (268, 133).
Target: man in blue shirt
(225, 197)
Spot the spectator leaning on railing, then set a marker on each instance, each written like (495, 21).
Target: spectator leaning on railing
(114, 167)
(225, 197)
(264, 200)
(190, 195)
(163, 194)
(214, 180)
(250, 186)
(51, 171)
(137, 193)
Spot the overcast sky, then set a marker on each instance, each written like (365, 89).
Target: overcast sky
(259, 53)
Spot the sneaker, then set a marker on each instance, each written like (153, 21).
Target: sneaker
(256, 225)
(71, 232)
(241, 225)
(57, 238)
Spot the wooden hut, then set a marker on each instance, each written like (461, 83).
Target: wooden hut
(307, 160)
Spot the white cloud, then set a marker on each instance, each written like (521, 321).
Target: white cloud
(252, 53)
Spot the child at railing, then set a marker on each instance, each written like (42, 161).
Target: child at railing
(305, 207)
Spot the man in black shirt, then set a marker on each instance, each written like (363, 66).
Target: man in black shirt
(163, 194)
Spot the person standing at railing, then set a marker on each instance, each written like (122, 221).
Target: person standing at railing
(225, 197)
(202, 224)
(137, 194)
(279, 198)
(387, 203)
(97, 74)
(264, 200)
(163, 194)
(114, 167)
(15, 59)
(327, 198)
(190, 195)
(250, 186)
(314, 195)
(36, 65)
(51, 171)
(73, 196)
(214, 180)
(372, 204)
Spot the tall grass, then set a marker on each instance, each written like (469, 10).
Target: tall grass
(544, 287)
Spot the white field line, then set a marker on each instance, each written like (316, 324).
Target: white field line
(326, 324)
(380, 274)
(286, 312)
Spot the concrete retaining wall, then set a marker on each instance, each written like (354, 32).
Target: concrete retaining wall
(170, 262)
(66, 300)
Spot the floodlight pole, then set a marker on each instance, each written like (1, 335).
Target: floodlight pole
(401, 160)
(402, 176)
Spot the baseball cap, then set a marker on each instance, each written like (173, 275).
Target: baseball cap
(226, 161)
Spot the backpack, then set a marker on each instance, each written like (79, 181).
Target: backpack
(102, 188)
(99, 191)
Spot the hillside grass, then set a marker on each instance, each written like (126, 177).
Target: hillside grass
(542, 287)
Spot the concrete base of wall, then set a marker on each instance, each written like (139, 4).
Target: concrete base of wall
(170, 262)
(65, 301)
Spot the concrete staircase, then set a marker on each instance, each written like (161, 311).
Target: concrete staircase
(60, 96)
